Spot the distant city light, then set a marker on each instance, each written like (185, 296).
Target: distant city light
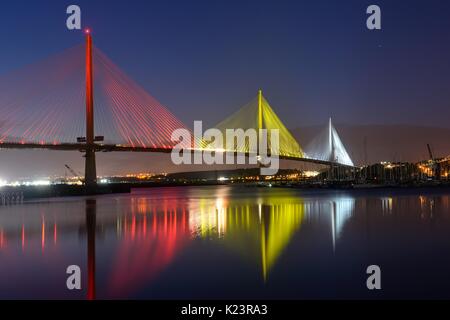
(310, 174)
(38, 183)
(78, 180)
(4, 183)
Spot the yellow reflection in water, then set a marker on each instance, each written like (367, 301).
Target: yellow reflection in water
(276, 231)
(260, 231)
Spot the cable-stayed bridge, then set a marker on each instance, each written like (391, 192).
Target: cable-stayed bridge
(328, 146)
(80, 100)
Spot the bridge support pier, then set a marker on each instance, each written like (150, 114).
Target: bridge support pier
(331, 175)
(90, 171)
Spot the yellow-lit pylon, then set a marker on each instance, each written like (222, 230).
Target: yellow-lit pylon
(260, 110)
(257, 115)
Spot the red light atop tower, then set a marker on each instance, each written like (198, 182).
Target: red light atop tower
(87, 31)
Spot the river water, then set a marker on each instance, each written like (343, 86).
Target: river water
(229, 242)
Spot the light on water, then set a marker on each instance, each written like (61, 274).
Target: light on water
(227, 242)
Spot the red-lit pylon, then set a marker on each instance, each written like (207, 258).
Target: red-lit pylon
(90, 173)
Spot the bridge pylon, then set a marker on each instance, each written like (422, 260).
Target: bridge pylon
(90, 172)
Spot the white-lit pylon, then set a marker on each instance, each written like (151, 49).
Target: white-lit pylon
(327, 146)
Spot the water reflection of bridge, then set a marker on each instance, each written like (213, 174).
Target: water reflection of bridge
(259, 232)
(151, 233)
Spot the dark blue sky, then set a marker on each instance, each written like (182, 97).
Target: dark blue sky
(204, 59)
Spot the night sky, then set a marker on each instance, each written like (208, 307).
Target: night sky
(205, 59)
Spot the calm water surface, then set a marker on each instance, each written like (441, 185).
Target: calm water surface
(229, 242)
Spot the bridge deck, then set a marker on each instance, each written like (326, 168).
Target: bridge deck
(120, 148)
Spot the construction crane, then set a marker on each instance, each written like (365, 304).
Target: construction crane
(435, 165)
(73, 172)
(430, 153)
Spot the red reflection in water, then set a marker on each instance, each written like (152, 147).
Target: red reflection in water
(34, 236)
(2, 239)
(147, 248)
(43, 234)
(91, 221)
(23, 237)
(55, 237)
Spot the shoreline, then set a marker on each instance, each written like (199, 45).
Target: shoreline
(11, 195)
